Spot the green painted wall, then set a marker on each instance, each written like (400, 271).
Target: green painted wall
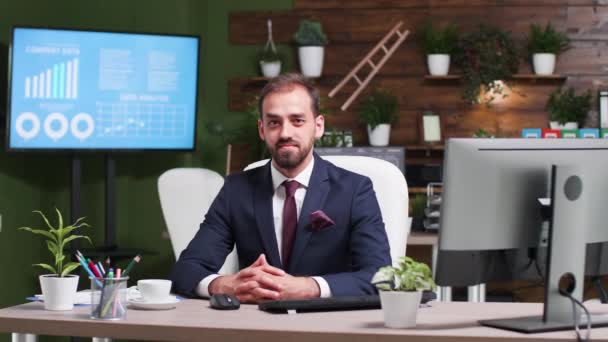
(41, 181)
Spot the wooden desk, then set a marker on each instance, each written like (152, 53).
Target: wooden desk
(193, 320)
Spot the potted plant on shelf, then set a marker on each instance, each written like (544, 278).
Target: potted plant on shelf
(379, 111)
(401, 291)
(566, 109)
(544, 46)
(59, 287)
(439, 44)
(488, 58)
(311, 41)
(270, 61)
(269, 58)
(418, 204)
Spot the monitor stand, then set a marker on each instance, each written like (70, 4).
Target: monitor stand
(109, 248)
(565, 258)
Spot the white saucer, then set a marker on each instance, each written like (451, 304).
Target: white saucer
(140, 303)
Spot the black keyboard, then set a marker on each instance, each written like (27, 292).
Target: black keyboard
(321, 304)
(329, 304)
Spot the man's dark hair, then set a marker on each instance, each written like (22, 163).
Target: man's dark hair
(287, 82)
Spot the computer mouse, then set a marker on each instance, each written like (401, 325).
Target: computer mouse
(224, 301)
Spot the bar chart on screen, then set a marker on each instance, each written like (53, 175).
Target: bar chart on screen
(58, 81)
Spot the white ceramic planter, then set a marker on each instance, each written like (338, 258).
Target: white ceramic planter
(400, 308)
(439, 64)
(59, 293)
(270, 69)
(311, 60)
(379, 136)
(567, 125)
(544, 63)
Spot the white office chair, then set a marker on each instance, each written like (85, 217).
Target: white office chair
(185, 197)
(391, 190)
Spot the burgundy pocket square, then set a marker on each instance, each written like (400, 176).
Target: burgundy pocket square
(319, 221)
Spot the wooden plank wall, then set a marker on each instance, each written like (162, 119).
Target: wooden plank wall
(354, 26)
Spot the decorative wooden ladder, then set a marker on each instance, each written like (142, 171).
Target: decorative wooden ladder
(368, 60)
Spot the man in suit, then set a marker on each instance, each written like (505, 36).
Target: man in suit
(303, 227)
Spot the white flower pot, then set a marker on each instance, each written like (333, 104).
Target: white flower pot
(544, 63)
(379, 136)
(439, 64)
(567, 125)
(311, 60)
(59, 293)
(270, 69)
(400, 308)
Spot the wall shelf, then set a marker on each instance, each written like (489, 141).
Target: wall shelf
(445, 77)
(432, 147)
(532, 77)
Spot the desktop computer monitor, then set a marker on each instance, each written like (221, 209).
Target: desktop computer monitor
(490, 207)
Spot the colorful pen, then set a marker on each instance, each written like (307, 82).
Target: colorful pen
(86, 268)
(93, 268)
(115, 307)
(135, 260)
(100, 267)
(84, 265)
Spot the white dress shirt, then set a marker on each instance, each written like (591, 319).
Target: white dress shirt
(278, 200)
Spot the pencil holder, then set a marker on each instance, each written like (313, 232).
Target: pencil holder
(109, 298)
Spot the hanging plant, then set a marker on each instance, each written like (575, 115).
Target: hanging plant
(485, 57)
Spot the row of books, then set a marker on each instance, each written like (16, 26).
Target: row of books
(585, 133)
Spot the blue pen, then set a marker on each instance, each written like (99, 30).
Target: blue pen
(86, 268)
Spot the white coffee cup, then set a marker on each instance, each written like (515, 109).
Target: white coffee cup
(154, 290)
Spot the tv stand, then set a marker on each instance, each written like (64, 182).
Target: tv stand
(109, 247)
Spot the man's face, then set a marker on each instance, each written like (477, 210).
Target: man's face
(289, 127)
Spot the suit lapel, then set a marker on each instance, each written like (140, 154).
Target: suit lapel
(318, 187)
(262, 201)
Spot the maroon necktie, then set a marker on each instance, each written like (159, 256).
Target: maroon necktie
(290, 220)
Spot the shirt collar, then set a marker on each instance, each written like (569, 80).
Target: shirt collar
(303, 177)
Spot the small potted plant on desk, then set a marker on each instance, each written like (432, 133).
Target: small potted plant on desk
(379, 111)
(59, 287)
(401, 291)
(544, 46)
(439, 44)
(566, 109)
(311, 41)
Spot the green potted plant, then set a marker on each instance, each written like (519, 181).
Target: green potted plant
(379, 111)
(544, 45)
(59, 287)
(401, 289)
(418, 204)
(566, 109)
(482, 133)
(438, 44)
(488, 58)
(311, 41)
(269, 58)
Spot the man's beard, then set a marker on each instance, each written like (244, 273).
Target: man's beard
(289, 159)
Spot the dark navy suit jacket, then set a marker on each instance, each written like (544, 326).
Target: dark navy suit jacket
(346, 254)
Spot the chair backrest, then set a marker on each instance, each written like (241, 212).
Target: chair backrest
(391, 190)
(185, 197)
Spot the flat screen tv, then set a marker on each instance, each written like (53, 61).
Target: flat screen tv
(93, 90)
